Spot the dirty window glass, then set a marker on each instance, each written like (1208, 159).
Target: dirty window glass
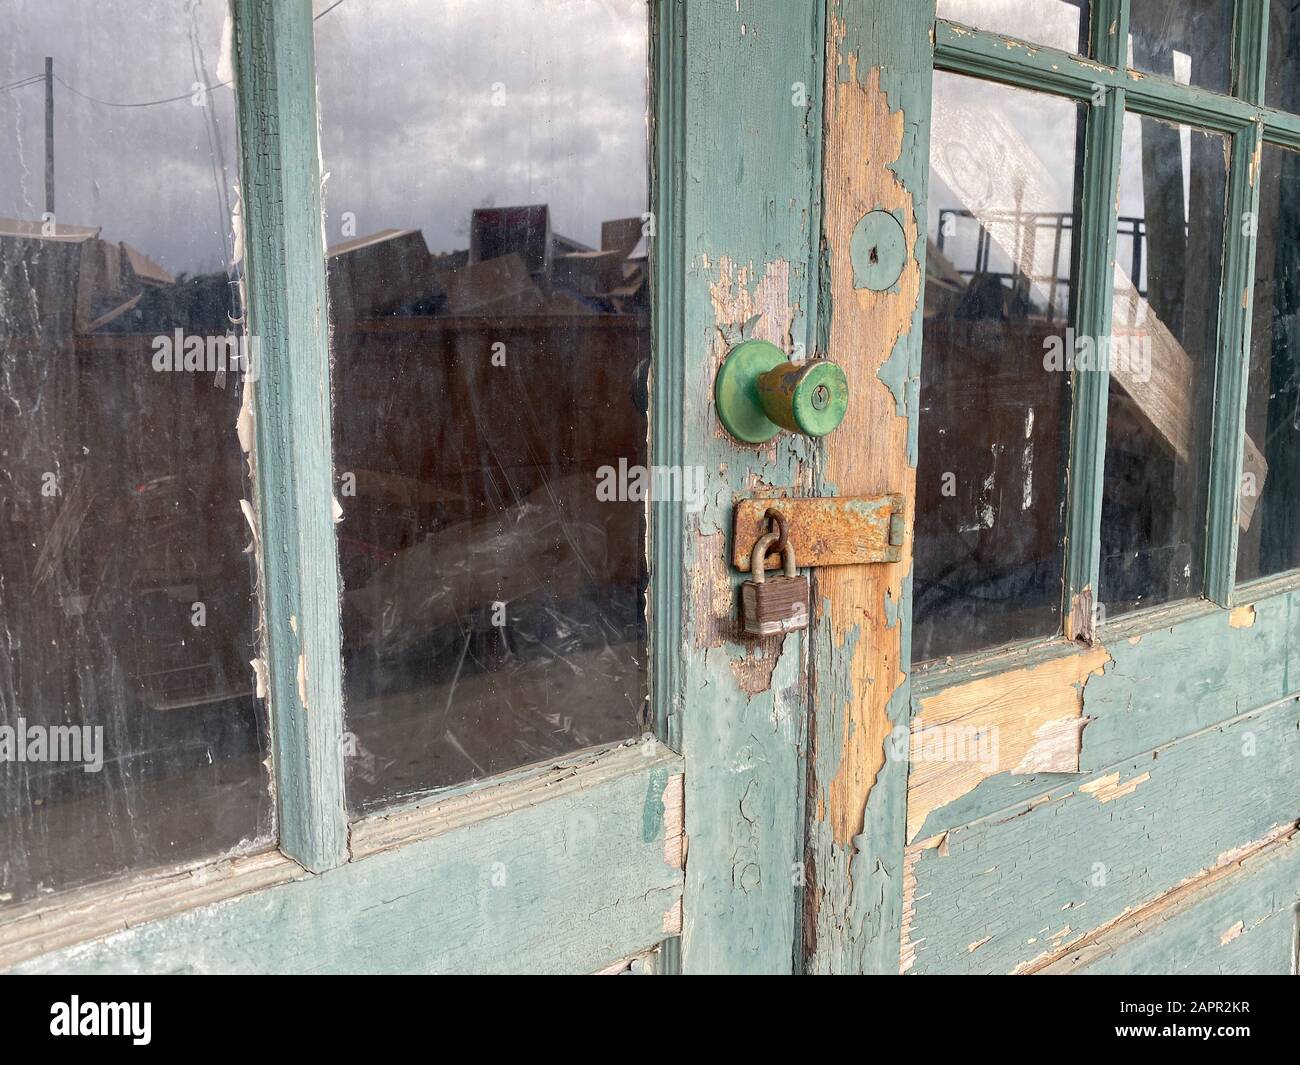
(130, 734)
(1003, 205)
(1282, 83)
(1269, 517)
(1057, 23)
(489, 303)
(1188, 41)
(1161, 354)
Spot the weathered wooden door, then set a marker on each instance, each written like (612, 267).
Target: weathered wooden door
(453, 488)
(1064, 736)
(479, 265)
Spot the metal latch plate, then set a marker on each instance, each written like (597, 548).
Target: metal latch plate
(831, 531)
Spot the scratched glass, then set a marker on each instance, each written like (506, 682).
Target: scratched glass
(1161, 356)
(1282, 74)
(1057, 23)
(130, 733)
(1187, 41)
(1004, 184)
(1269, 516)
(490, 311)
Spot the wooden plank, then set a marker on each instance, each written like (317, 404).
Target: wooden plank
(875, 158)
(289, 410)
(1026, 881)
(829, 531)
(394, 828)
(569, 881)
(1238, 918)
(746, 246)
(666, 522)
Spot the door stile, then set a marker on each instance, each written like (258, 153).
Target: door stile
(752, 78)
(879, 63)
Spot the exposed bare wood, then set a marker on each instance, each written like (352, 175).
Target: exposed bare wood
(1242, 617)
(868, 455)
(1028, 720)
(645, 963)
(1110, 787)
(674, 799)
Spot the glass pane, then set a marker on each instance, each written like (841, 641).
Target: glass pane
(1188, 41)
(1057, 23)
(1282, 87)
(1173, 187)
(488, 293)
(130, 735)
(1004, 181)
(1269, 519)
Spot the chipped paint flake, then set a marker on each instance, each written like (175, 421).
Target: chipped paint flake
(1108, 788)
(302, 680)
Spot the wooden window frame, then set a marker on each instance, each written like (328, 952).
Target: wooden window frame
(1110, 90)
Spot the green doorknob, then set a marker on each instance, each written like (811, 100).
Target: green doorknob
(759, 392)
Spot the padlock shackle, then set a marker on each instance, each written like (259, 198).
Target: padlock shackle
(758, 558)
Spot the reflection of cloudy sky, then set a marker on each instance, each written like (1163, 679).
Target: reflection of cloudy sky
(1009, 149)
(1025, 133)
(1051, 22)
(152, 176)
(410, 136)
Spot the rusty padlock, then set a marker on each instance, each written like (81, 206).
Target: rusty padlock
(776, 605)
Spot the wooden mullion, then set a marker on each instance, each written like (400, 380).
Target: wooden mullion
(1281, 127)
(1188, 105)
(1110, 32)
(982, 54)
(284, 273)
(1094, 279)
(1250, 50)
(1233, 365)
(992, 57)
